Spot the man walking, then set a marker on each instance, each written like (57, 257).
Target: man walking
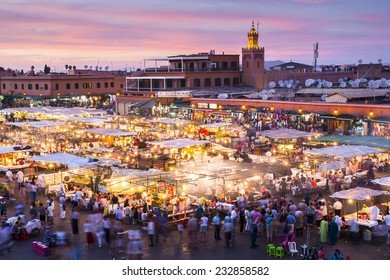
(217, 226)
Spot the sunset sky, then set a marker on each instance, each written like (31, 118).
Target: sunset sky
(122, 33)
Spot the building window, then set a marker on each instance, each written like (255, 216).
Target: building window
(87, 85)
(57, 86)
(106, 84)
(258, 64)
(112, 84)
(169, 83)
(15, 86)
(37, 86)
(121, 85)
(236, 81)
(226, 82)
(3, 86)
(224, 65)
(233, 65)
(76, 85)
(67, 86)
(22, 86)
(98, 85)
(196, 82)
(247, 64)
(182, 83)
(29, 86)
(207, 82)
(218, 82)
(46, 87)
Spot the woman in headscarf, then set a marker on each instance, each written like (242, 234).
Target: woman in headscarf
(323, 231)
(339, 223)
(333, 231)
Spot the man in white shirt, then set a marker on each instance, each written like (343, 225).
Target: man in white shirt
(62, 188)
(50, 213)
(20, 178)
(337, 207)
(62, 207)
(204, 223)
(10, 181)
(374, 213)
(234, 216)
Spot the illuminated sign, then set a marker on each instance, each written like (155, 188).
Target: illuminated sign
(203, 105)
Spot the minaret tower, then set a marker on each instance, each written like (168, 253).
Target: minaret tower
(253, 61)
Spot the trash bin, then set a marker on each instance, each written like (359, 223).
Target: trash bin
(367, 235)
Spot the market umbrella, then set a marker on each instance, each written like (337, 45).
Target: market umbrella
(358, 193)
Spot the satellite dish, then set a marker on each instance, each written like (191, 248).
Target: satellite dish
(343, 84)
(272, 84)
(376, 84)
(323, 97)
(288, 85)
(285, 83)
(106, 68)
(100, 68)
(297, 82)
(360, 61)
(291, 81)
(280, 83)
(340, 80)
(379, 60)
(222, 96)
(264, 97)
(388, 83)
(309, 82)
(85, 67)
(271, 91)
(319, 86)
(371, 84)
(383, 83)
(329, 84)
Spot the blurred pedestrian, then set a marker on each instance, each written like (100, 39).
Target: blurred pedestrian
(75, 222)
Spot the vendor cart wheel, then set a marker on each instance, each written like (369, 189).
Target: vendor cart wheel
(35, 232)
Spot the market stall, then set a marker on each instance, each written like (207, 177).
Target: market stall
(14, 157)
(355, 195)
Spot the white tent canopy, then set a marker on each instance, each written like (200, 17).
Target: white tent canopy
(39, 124)
(215, 125)
(385, 181)
(357, 193)
(168, 121)
(110, 132)
(71, 161)
(11, 149)
(285, 133)
(179, 143)
(117, 172)
(345, 151)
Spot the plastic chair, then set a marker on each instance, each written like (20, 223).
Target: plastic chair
(292, 247)
(269, 246)
(279, 252)
(272, 251)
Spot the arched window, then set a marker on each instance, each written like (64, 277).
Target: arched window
(217, 82)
